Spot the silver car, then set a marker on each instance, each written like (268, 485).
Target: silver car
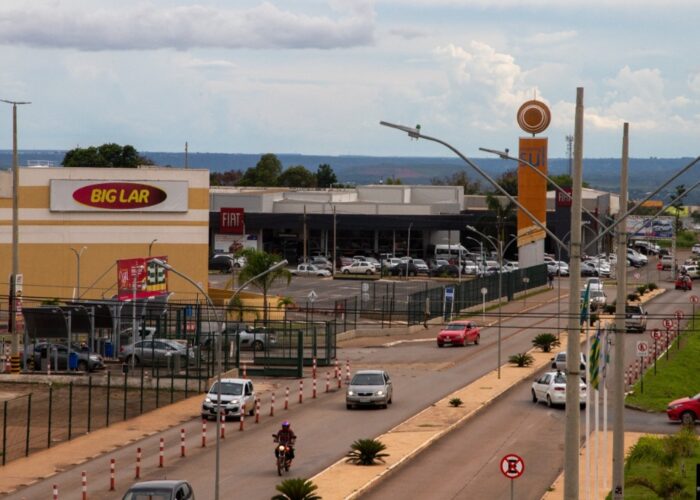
(236, 394)
(157, 352)
(369, 388)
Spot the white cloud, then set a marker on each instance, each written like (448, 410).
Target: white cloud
(552, 37)
(694, 82)
(265, 26)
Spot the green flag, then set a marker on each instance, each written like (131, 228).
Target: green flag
(585, 304)
(594, 361)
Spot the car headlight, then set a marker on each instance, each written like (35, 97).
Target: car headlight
(673, 407)
(350, 393)
(207, 400)
(234, 401)
(95, 357)
(380, 393)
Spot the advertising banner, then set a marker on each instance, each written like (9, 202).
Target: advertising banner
(648, 227)
(231, 220)
(532, 188)
(150, 279)
(113, 196)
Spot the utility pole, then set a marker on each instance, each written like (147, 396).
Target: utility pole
(573, 348)
(186, 155)
(569, 150)
(305, 256)
(618, 484)
(12, 320)
(334, 239)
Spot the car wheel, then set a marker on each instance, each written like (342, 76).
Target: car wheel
(348, 406)
(258, 345)
(476, 340)
(549, 401)
(688, 418)
(346, 272)
(82, 366)
(440, 346)
(390, 399)
(385, 406)
(368, 272)
(534, 396)
(137, 362)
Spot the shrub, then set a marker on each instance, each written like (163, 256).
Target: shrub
(545, 341)
(652, 286)
(632, 297)
(366, 452)
(609, 309)
(296, 489)
(455, 402)
(521, 359)
(594, 319)
(641, 289)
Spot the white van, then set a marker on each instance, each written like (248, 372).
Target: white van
(451, 252)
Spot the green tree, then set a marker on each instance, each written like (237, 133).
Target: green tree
(459, 178)
(296, 489)
(677, 206)
(265, 173)
(393, 181)
(504, 213)
(229, 178)
(564, 181)
(257, 262)
(325, 176)
(106, 156)
(297, 176)
(509, 181)
(366, 452)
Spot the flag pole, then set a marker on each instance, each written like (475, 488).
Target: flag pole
(589, 386)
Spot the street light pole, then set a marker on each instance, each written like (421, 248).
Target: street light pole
(78, 254)
(150, 246)
(408, 248)
(220, 324)
(12, 326)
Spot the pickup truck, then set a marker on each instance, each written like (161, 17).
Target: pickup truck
(635, 318)
(310, 270)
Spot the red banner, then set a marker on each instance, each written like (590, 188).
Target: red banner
(231, 220)
(143, 274)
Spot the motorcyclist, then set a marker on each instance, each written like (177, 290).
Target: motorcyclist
(286, 437)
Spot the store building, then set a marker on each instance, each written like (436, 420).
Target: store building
(76, 223)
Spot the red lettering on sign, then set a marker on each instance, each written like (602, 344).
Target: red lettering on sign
(119, 195)
(231, 221)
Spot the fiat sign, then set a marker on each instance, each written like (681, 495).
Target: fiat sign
(133, 196)
(231, 220)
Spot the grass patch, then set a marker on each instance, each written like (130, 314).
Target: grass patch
(675, 378)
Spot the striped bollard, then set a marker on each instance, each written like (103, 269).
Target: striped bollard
(313, 392)
(338, 374)
(55, 492)
(240, 428)
(328, 381)
(112, 466)
(222, 430)
(272, 405)
(161, 453)
(182, 442)
(301, 391)
(257, 411)
(84, 483)
(138, 464)
(204, 433)
(244, 369)
(313, 367)
(347, 372)
(286, 398)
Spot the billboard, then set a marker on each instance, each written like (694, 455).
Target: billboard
(112, 196)
(231, 220)
(649, 227)
(532, 189)
(141, 277)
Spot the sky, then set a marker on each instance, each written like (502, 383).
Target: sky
(317, 76)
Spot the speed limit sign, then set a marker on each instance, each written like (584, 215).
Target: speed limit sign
(694, 299)
(656, 334)
(668, 323)
(679, 314)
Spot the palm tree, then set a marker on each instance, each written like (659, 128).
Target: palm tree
(366, 452)
(285, 302)
(236, 304)
(257, 262)
(296, 489)
(503, 212)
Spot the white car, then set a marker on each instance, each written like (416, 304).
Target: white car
(558, 267)
(358, 267)
(310, 270)
(559, 362)
(594, 284)
(471, 267)
(550, 387)
(696, 249)
(236, 394)
(692, 270)
(510, 266)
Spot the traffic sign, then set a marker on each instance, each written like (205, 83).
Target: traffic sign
(668, 323)
(512, 466)
(449, 292)
(694, 299)
(642, 348)
(679, 315)
(659, 267)
(312, 296)
(656, 334)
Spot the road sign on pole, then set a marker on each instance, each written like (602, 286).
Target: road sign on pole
(668, 323)
(679, 315)
(656, 334)
(694, 299)
(512, 466)
(312, 296)
(642, 348)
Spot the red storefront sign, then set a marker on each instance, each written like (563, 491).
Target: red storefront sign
(562, 199)
(231, 220)
(119, 195)
(148, 278)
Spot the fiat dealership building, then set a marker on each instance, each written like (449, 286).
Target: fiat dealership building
(76, 224)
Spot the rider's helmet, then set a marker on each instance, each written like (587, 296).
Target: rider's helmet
(285, 424)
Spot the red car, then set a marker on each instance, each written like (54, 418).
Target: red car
(459, 333)
(683, 282)
(685, 410)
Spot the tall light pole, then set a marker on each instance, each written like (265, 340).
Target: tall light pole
(150, 246)
(12, 326)
(78, 254)
(501, 251)
(408, 248)
(220, 324)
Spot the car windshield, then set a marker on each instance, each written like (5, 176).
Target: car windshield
(560, 378)
(149, 494)
(455, 327)
(227, 389)
(367, 379)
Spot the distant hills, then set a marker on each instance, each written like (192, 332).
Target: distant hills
(601, 173)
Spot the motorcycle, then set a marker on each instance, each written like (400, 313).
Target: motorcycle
(283, 456)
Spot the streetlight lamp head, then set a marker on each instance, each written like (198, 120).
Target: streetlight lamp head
(278, 265)
(162, 264)
(471, 228)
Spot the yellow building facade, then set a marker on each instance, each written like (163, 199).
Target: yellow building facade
(104, 215)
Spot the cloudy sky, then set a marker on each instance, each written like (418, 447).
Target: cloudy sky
(317, 76)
